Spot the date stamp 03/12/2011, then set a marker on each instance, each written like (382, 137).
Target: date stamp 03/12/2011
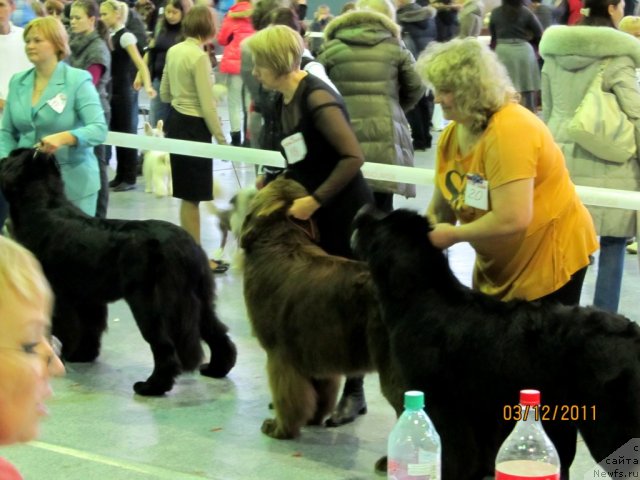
(568, 413)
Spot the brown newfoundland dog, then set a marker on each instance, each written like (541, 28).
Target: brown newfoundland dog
(316, 315)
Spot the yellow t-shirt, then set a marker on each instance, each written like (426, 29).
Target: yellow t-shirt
(516, 145)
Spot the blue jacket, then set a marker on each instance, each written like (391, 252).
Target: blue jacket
(82, 115)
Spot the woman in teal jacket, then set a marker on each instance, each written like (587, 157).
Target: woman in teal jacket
(57, 108)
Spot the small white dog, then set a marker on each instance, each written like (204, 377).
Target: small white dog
(156, 166)
(230, 220)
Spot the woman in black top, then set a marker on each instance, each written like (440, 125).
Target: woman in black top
(125, 60)
(322, 153)
(168, 33)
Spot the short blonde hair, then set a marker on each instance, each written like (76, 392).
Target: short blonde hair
(53, 30)
(472, 72)
(21, 274)
(631, 25)
(384, 7)
(278, 48)
(120, 7)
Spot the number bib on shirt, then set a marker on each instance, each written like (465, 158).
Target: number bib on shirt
(294, 148)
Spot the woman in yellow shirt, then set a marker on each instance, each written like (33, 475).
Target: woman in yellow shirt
(502, 184)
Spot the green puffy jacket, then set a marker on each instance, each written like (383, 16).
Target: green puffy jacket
(373, 70)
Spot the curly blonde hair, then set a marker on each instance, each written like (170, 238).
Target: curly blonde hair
(472, 72)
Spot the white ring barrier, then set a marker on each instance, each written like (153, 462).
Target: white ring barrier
(602, 197)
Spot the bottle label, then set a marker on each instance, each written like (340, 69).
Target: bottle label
(422, 470)
(508, 476)
(526, 470)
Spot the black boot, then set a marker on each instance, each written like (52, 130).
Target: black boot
(236, 141)
(350, 405)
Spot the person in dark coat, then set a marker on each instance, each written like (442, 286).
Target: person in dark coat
(418, 30)
(368, 40)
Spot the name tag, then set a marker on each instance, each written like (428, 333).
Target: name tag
(58, 102)
(476, 192)
(294, 148)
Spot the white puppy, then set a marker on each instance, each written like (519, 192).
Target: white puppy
(230, 220)
(156, 167)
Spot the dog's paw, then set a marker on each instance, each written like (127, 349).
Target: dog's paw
(224, 361)
(271, 429)
(81, 355)
(151, 389)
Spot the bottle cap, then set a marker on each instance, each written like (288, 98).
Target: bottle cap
(413, 400)
(530, 397)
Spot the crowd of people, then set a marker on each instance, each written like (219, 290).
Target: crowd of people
(506, 168)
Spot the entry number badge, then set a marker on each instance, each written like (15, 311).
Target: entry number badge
(58, 102)
(476, 192)
(294, 148)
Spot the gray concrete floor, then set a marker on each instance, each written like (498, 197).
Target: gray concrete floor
(205, 428)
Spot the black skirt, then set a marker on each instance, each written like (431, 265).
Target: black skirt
(192, 176)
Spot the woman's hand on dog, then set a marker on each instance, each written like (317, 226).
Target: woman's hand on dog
(443, 235)
(51, 143)
(304, 207)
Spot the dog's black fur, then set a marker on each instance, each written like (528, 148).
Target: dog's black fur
(316, 315)
(471, 354)
(155, 266)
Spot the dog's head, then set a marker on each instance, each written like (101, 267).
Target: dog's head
(157, 131)
(268, 208)
(397, 248)
(26, 171)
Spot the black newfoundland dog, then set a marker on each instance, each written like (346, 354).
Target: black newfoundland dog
(155, 266)
(471, 354)
(316, 315)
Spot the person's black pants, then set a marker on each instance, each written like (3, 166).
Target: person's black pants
(123, 113)
(569, 293)
(420, 121)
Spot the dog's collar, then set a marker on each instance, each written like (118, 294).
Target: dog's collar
(308, 227)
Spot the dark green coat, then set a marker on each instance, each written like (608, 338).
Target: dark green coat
(373, 70)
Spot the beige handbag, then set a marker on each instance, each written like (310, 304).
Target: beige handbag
(600, 126)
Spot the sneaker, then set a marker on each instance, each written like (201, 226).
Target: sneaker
(632, 248)
(115, 182)
(124, 187)
(218, 267)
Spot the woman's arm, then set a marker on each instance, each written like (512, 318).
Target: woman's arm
(409, 82)
(621, 75)
(165, 85)
(439, 210)
(88, 109)
(8, 132)
(226, 31)
(143, 70)
(137, 82)
(96, 71)
(202, 76)
(331, 122)
(511, 212)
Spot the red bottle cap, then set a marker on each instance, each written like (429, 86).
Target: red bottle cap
(530, 397)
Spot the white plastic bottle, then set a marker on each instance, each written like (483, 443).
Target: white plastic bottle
(527, 453)
(413, 449)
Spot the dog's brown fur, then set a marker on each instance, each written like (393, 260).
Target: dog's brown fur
(316, 315)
